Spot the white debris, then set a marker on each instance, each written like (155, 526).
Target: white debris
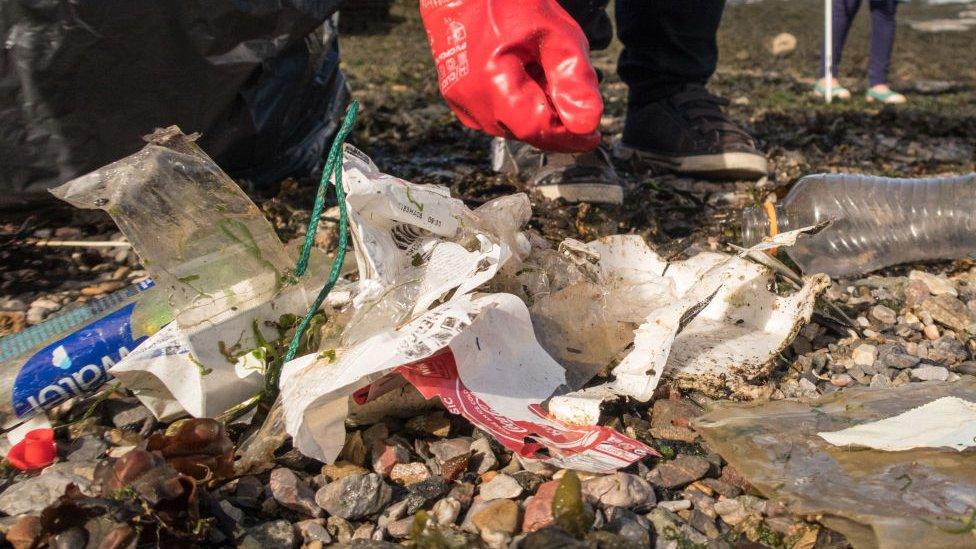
(944, 422)
(709, 320)
(479, 355)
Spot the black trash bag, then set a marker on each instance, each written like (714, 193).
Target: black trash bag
(81, 81)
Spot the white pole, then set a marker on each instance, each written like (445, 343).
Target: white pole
(829, 49)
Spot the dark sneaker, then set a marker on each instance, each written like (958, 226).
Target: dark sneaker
(688, 133)
(587, 177)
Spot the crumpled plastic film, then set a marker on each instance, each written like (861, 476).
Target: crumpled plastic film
(216, 258)
(925, 497)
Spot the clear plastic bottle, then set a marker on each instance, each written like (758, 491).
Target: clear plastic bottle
(877, 221)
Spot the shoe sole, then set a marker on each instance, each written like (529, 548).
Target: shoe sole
(730, 165)
(594, 193)
(870, 99)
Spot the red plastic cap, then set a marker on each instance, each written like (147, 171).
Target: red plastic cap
(36, 451)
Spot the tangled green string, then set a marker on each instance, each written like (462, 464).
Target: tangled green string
(333, 168)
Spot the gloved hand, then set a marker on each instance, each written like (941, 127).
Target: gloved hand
(516, 69)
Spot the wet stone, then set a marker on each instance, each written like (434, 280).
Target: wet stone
(679, 472)
(292, 492)
(499, 487)
(409, 473)
(864, 354)
(966, 368)
(629, 525)
(72, 538)
(884, 314)
(670, 420)
(35, 493)
(483, 457)
(930, 373)
(732, 511)
(900, 361)
(446, 449)
(703, 523)
(87, 448)
(621, 490)
(355, 497)
(935, 284)
(722, 488)
(497, 516)
(528, 480)
(277, 533)
(425, 491)
(949, 311)
(313, 530)
(664, 521)
(700, 500)
(538, 511)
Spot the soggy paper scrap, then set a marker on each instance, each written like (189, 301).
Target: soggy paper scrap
(582, 447)
(498, 378)
(945, 422)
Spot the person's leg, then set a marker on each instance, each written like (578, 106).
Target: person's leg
(667, 44)
(592, 18)
(673, 122)
(882, 40)
(842, 16)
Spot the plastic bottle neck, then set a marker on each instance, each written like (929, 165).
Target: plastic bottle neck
(763, 221)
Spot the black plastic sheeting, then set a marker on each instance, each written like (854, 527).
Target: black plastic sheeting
(81, 81)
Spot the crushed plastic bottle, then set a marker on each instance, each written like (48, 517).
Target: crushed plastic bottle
(68, 355)
(876, 221)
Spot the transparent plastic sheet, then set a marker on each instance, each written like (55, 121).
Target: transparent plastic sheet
(925, 497)
(214, 256)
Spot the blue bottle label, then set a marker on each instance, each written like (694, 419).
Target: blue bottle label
(74, 365)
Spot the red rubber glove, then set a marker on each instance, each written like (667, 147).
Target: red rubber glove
(517, 69)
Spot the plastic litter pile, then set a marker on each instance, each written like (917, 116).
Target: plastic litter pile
(524, 340)
(465, 305)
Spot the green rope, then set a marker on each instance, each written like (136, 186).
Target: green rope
(333, 167)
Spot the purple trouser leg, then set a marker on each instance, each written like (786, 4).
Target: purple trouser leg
(882, 36)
